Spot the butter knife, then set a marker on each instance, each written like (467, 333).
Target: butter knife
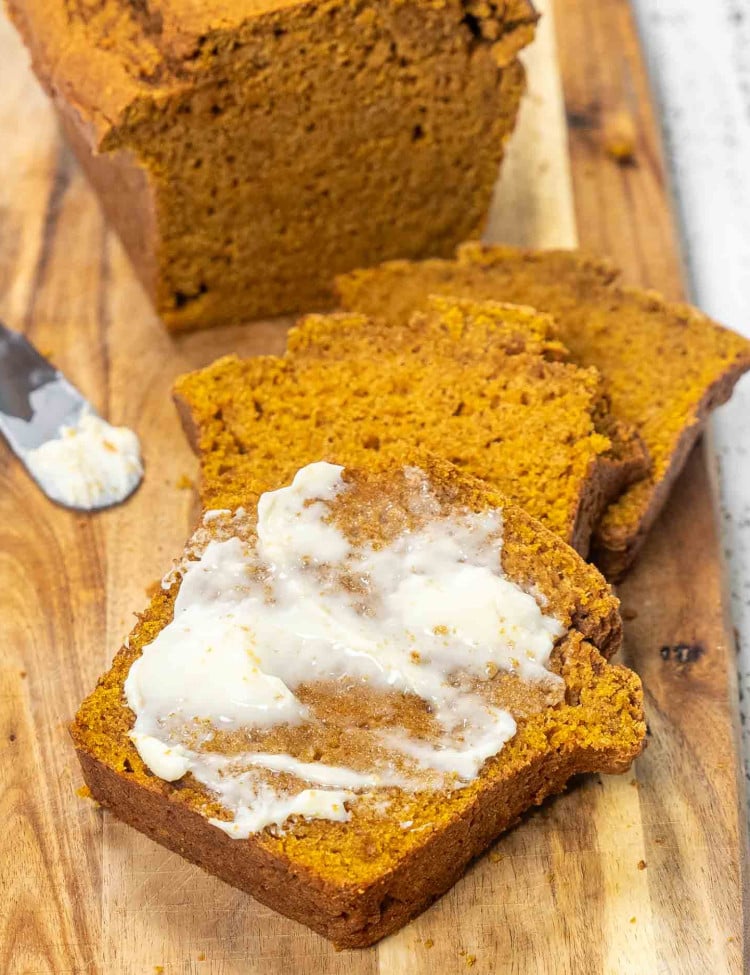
(76, 457)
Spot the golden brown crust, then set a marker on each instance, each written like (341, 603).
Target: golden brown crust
(104, 58)
(615, 549)
(665, 365)
(347, 917)
(125, 194)
(356, 882)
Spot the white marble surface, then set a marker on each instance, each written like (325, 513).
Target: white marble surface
(699, 60)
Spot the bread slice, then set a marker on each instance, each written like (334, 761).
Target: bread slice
(665, 366)
(533, 426)
(355, 881)
(470, 332)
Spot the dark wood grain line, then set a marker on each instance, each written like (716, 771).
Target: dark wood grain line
(63, 171)
(103, 316)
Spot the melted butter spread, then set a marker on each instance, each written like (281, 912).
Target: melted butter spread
(90, 465)
(261, 620)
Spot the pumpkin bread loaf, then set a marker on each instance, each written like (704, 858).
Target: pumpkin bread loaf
(535, 427)
(248, 152)
(665, 366)
(392, 849)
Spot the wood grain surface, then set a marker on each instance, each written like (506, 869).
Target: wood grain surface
(642, 873)
(699, 61)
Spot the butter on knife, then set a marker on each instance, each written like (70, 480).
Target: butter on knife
(77, 458)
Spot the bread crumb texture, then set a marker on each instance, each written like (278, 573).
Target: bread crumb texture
(481, 384)
(664, 365)
(356, 881)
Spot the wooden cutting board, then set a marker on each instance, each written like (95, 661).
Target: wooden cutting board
(643, 873)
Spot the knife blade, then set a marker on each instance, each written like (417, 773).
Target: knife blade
(77, 458)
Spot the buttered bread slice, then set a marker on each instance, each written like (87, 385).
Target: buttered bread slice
(347, 688)
(509, 411)
(664, 365)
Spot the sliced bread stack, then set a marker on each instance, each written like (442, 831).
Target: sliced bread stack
(439, 404)
(664, 366)
(484, 385)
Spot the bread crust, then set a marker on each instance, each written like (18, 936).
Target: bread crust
(350, 917)
(614, 551)
(126, 196)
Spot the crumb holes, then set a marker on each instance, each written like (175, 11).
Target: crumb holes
(473, 24)
(127, 767)
(197, 164)
(310, 127)
(182, 298)
(11, 737)
(417, 133)
(372, 442)
(389, 904)
(230, 158)
(459, 409)
(279, 32)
